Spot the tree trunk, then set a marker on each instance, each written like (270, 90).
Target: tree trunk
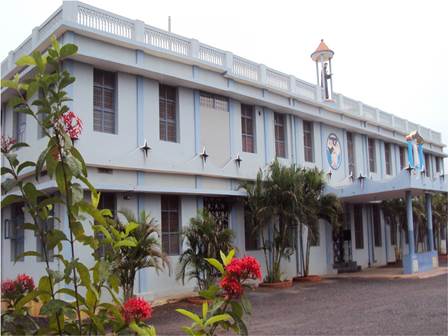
(301, 248)
(307, 260)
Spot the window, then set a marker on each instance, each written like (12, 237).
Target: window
(104, 116)
(47, 227)
(107, 201)
(351, 154)
(308, 141)
(376, 225)
(251, 238)
(438, 165)
(359, 229)
(170, 225)
(214, 101)
(387, 154)
(280, 135)
(427, 167)
(402, 157)
(168, 113)
(372, 155)
(17, 232)
(248, 128)
(19, 121)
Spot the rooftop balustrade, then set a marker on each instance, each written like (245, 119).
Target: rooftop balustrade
(83, 16)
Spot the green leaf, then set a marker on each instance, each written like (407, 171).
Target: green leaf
(28, 254)
(60, 180)
(83, 274)
(40, 161)
(91, 299)
(190, 315)
(126, 243)
(25, 60)
(79, 157)
(6, 170)
(8, 185)
(210, 293)
(101, 271)
(52, 307)
(25, 164)
(74, 165)
(218, 318)
(19, 145)
(27, 298)
(68, 50)
(39, 60)
(138, 330)
(10, 199)
(215, 263)
(223, 257)
(55, 237)
(77, 193)
(131, 227)
(204, 309)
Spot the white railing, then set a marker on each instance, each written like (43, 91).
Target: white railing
(351, 106)
(97, 20)
(79, 14)
(425, 133)
(168, 42)
(385, 118)
(211, 55)
(412, 126)
(49, 26)
(400, 123)
(245, 69)
(369, 112)
(305, 89)
(277, 80)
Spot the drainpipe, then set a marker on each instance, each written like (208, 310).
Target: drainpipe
(368, 234)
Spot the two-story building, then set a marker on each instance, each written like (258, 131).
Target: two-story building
(172, 125)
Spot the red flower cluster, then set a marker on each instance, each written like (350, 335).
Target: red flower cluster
(244, 268)
(237, 272)
(72, 124)
(7, 142)
(136, 309)
(24, 282)
(20, 286)
(231, 286)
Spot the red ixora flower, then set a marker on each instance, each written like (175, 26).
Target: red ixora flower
(136, 309)
(231, 286)
(24, 282)
(7, 143)
(8, 287)
(72, 124)
(245, 268)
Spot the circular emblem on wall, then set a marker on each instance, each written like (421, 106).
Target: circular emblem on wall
(334, 152)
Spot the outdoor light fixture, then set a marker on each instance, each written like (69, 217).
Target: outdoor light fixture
(238, 160)
(204, 155)
(329, 173)
(145, 148)
(409, 169)
(351, 177)
(361, 177)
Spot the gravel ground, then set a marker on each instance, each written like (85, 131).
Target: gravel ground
(338, 307)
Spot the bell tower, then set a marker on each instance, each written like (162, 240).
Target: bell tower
(322, 56)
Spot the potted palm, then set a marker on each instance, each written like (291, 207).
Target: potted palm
(204, 238)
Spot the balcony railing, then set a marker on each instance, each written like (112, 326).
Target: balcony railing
(82, 16)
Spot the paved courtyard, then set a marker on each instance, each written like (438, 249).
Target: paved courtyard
(339, 307)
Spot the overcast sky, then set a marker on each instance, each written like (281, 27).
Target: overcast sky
(389, 54)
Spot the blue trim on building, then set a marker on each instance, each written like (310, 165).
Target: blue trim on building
(139, 57)
(197, 121)
(232, 116)
(322, 147)
(382, 160)
(194, 71)
(266, 135)
(344, 151)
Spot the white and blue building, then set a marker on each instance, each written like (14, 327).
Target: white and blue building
(172, 125)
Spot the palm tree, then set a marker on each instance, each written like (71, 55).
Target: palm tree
(205, 239)
(440, 216)
(127, 261)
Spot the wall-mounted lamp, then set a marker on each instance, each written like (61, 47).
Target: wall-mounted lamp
(204, 155)
(238, 160)
(145, 148)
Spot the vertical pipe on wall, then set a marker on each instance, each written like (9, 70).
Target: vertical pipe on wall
(428, 201)
(410, 223)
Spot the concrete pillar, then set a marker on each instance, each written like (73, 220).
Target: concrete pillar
(428, 199)
(410, 223)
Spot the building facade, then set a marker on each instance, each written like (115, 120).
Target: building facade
(172, 125)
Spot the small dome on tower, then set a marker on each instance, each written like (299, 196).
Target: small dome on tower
(322, 52)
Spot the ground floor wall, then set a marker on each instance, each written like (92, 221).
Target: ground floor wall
(155, 285)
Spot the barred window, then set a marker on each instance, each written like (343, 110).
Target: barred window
(170, 225)
(214, 101)
(104, 106)
(402, 157)
(388, 158)
(168, 113)
(280, 135)
(248, 128)
(351, 154)
(17, 232)
(376, 225)
(359, 229)
(372, 155)
(308, 141)
(251, 238)
(19, 121)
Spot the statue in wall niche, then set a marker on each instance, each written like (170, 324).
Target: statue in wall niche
(334, 151)
(326, 76)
